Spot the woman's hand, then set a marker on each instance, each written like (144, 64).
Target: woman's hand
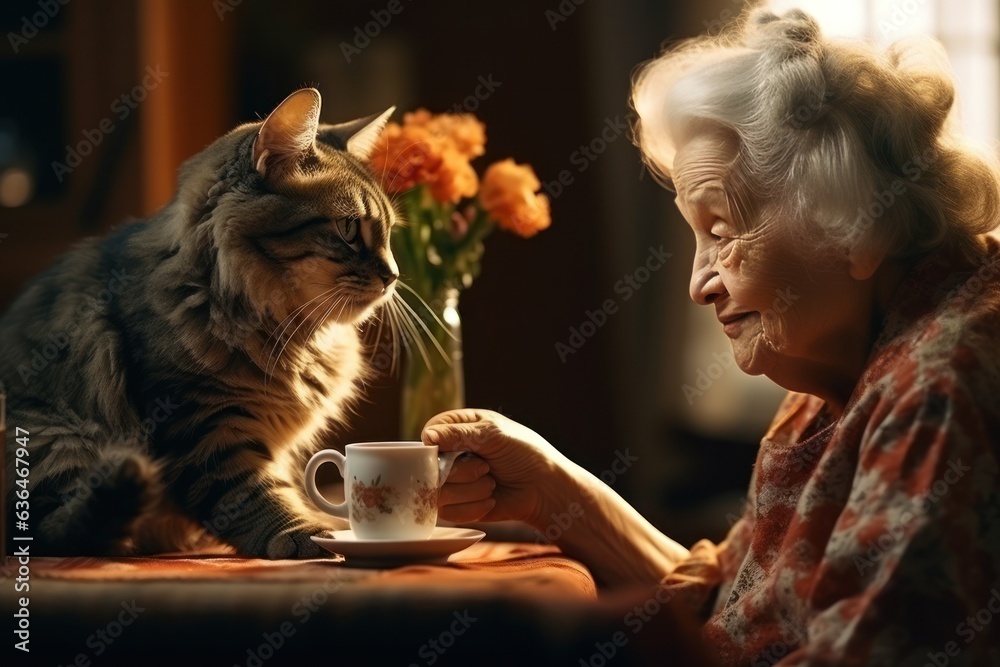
(516, 474)
(511, 475)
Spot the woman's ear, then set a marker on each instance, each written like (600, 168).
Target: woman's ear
(864, 259)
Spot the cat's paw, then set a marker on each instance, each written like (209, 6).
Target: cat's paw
(296, 544)
(120, 488)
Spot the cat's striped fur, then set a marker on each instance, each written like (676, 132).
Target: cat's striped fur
(146, 366)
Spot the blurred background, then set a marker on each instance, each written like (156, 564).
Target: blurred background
(102, 100)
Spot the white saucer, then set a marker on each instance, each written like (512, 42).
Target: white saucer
(442, 543)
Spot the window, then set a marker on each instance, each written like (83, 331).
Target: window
(967, 28)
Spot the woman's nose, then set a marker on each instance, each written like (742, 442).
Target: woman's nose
(706, 286)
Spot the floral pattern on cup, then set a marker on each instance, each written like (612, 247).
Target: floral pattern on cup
(425, 500)
(369, 499)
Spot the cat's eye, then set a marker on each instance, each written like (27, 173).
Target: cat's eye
(350, 230)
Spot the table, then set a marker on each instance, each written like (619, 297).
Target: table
(494, 603)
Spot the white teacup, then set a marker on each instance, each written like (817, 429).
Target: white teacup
(390, 488)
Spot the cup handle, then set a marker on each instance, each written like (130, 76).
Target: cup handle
(319, 458)
(445, 463)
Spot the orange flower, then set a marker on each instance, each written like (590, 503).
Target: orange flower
(508, 195)
(464, 132)
(461, 132)
(455, 178)
(419, 118)
(404, 157)
(432, 150)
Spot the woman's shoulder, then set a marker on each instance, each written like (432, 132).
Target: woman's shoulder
(945, 310)
(940, 346)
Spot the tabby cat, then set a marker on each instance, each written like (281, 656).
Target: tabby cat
(175, 377)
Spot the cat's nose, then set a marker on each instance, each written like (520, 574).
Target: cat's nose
(386, 269)
(388, 278)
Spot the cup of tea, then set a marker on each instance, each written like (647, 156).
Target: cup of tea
(390, 488)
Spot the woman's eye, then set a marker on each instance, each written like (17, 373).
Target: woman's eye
(350, 230)
(719, 233)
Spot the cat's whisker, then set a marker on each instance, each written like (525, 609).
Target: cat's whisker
(400, 335)
(307, 303)
(287, 322)
(397, 352)
(299, 326)
(279, 336)
(416, 318)
(322, 320)
(277, 358)
(378, 334)
(415, 335)
(342, 307)
(428, 308)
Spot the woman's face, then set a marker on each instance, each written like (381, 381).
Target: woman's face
(789, 314)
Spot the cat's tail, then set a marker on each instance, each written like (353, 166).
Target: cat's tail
(95, 512)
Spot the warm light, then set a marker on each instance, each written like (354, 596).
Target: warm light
(841, 19)
(16, 187)
(967, 28)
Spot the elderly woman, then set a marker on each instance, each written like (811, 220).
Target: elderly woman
(872, 532)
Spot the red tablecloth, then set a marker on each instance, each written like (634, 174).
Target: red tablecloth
(493, 567)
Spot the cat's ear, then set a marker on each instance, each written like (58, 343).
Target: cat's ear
(357, 137)
(289, 132)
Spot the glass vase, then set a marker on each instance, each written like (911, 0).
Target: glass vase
(433, 382)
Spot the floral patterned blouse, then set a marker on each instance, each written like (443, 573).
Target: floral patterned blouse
(874, 539)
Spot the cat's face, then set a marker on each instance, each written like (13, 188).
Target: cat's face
(309, 242)
(326, 234)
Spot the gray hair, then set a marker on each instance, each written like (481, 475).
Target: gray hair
(832, 134)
